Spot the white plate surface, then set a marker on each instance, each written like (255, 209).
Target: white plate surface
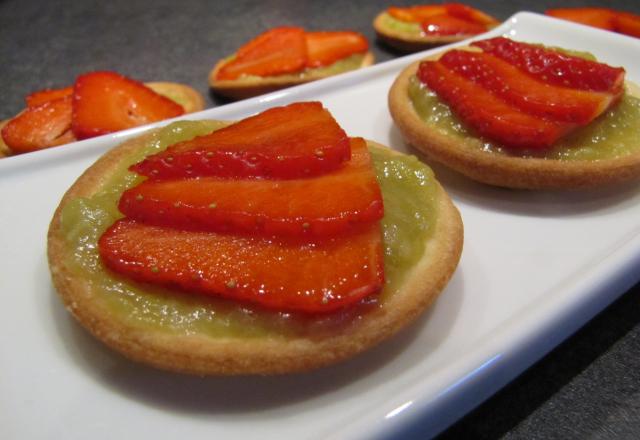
(535, 266)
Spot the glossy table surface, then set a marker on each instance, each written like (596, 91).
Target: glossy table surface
(588, 387)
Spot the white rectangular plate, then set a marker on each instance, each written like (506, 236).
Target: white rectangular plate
(535, 266)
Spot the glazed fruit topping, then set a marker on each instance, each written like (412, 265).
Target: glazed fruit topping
(42, 96)
(288, 275)
(298, 140)
(488, 114)
(104, 102)
(445, 19)
(325, 48)
(554, 67)
(289, 50)
(311, 244)
(40, 126)
(603, 18)
(277, 51)
(330, 204)
(522, 95)
(526, 92)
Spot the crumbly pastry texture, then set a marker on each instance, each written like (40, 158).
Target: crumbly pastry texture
(468, 158)
(202, 354)
(248, 87)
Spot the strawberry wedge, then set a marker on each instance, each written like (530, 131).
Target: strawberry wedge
(297, 140)
(554, 67)
(488, 114)
(329, 204)
(105, 102)
(526, 92)
(41, 126)
(42, 96)
(278, 51)
(325, 48)
(287, 275)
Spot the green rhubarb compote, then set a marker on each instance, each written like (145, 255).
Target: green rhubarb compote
(406, 27)
(614, 134)
(409, 193)
(346, 64)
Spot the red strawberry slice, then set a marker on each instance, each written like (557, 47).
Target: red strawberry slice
(293, 141)
(278, 51)
(42, 96)
(470, 14)
(325, 48)
(555, 68)
(449, 25)
(287, 275)
(42, 126)
(596, 17)
(628, 24)
(330, 204)
(526, 92)
(487, 114)
(105, 102)
(416, 14)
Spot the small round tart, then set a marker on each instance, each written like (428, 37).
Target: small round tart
(189, 98)
(249, 86)
(408, 37)
(290, 343)
(497, 165)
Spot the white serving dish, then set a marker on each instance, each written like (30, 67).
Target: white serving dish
(535, 267)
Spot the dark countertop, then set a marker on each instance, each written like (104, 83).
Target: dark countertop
(588, 387)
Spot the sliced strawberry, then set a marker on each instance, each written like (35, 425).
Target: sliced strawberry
(287, 275)
(42, 96)
(526, 92)
(330, 204)
(297, 140)
(470, 14)
(42, 126)
(449, 25)
(325, 48)
(554, 67)
(416, 14)
(104, 102)
(278, 51)
(597, 17)
(487, 114)
(628, 24)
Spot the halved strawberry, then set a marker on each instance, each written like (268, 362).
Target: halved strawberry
(104, 102)
(626, 23)
(449, 25)
(487, 114)
(42, 96)
(42, 126)
(554, 67)
(325, 48)
(278, 51)
(297, 140)
(416, 14)
(526, 92)
(597, 17)
(289, 275)
(329, 204)
(470, 14)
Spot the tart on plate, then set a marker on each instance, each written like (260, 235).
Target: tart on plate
(521, 115)
(259, 247)
(415, 28)
(97, 103)
(287, 56)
